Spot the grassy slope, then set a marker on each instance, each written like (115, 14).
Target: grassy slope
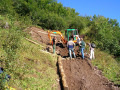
(34, 69)
(107, 63)
(109, 66)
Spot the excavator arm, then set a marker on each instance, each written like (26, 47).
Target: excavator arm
(56, 32)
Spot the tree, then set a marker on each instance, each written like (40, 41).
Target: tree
(105, 33)
(6, 6)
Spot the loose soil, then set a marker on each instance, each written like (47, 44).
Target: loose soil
(80, 74)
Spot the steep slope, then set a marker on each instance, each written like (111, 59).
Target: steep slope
(80, 74)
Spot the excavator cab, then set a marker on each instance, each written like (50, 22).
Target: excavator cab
(71, 33)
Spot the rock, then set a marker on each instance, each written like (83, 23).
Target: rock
(49, 49)
(57, 52)
(6, 25)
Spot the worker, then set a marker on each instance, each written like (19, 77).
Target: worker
(91, 48)
(4, 78)
(54, 44)
(82, 47)
(71, 46)
(78, 40)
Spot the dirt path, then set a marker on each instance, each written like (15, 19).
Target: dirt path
(80, 74)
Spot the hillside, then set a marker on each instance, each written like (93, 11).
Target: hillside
(80, 74)
(26, 54)
(28, 65)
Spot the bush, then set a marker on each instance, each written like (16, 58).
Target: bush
(105, 36)
(49, 20)
(10, 41)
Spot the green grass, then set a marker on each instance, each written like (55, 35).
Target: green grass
(29, 67)
(108, 64)
(33, 69)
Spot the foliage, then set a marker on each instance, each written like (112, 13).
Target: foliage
(108, 65)
(53, 21)
(77, 23)
(6, 7)
(9, 43)
(105, 34)
(29, 67)
(23, 60)
(34, 69)
(49, 14)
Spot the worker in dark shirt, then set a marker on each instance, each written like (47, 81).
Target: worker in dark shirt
(82, 47)
(54, 44)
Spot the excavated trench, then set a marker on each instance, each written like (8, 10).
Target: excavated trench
(76, 74)
(81, 75)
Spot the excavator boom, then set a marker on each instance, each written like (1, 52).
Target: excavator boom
(56, 32)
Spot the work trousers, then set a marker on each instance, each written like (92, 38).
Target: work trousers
(54, 46)
(82, 52)
(92, 54)
(71, 49)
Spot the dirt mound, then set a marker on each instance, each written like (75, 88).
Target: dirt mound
(38, 34)
(80, 74)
